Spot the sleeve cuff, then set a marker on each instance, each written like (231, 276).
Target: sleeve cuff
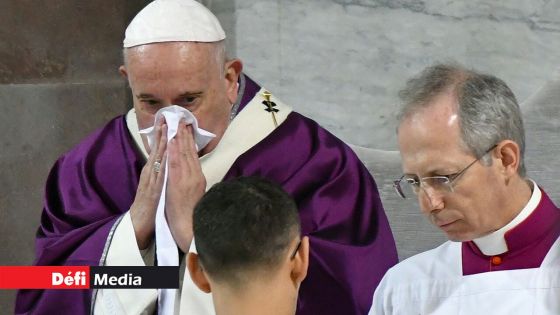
(123, 250)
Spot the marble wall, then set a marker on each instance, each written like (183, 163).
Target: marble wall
(342, 62)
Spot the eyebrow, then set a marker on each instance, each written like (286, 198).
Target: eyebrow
(434, 172)
(190, 94)
(185, 94)
(144, 95)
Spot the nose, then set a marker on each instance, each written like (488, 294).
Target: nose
(430, 199)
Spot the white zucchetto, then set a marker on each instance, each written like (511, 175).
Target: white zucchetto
(173, 21)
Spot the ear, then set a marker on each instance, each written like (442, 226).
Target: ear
(508, 155)
(197, 273)
(233, 69)
(300, 262)
(122, 71)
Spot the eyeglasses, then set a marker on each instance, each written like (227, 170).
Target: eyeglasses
(409, 186)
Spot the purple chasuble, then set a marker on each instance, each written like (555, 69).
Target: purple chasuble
(528, 242)
(352, 247)
(87, 190)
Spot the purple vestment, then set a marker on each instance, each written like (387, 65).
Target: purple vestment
(91, 186)
(528, 243)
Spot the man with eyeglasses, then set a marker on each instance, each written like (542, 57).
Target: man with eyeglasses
(462, 142)
(251, 255)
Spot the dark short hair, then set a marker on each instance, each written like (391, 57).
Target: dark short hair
(487, 108)
(243, 225)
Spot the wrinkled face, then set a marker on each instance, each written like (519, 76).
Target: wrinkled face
(430, 145)
(187, 74)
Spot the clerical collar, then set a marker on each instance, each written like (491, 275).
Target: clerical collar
(495, 242)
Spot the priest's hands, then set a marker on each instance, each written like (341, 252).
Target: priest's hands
(186, 185)
(143, 209)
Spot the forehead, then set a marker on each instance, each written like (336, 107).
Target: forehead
(171, 59)
(182, 51)
(430, 139)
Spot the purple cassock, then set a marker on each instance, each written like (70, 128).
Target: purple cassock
(352, 247)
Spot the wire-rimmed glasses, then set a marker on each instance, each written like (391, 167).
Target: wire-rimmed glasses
(407, 186)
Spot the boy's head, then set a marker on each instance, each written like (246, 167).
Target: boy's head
(247, 233)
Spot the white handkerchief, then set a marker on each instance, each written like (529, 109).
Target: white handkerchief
(173, 114)
(166, 248)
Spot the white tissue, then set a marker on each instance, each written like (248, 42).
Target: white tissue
(173, 115)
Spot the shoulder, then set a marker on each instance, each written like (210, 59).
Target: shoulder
(310, 136)
(105, 167)
(310, 144)
(109, 147)
(443, 261)
(297, 147)
(417, 284)
(103, 137)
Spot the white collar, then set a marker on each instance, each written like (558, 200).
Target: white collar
(495, 243)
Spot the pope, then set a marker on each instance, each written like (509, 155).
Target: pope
(102, 197)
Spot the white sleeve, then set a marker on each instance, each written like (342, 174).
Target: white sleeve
(123, 251)
(123, 248)
(379, 305)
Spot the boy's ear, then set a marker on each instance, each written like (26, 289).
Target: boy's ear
(300, 262)
(197, 273)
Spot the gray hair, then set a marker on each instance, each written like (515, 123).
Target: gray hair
(487, 109)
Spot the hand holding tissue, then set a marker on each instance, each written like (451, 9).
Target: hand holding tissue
(173, 218)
